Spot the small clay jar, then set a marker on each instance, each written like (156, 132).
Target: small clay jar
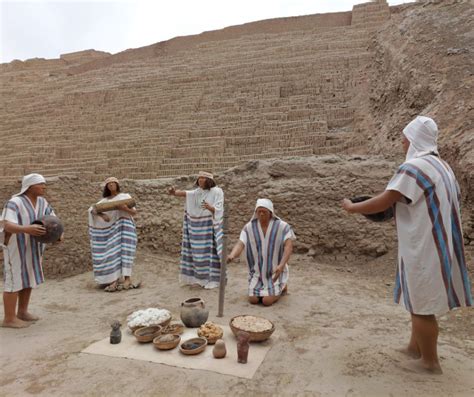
(219, 350)
(115, 334)
(242, 346)
(194, 312)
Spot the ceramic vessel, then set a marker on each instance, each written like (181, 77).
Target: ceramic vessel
(243, 347)
(53, 226)
(194, 312)
(219, 350)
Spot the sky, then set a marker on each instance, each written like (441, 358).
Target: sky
(47, 29)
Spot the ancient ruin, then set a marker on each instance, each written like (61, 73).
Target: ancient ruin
(292, 88)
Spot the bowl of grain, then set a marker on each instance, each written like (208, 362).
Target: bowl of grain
(259, 328)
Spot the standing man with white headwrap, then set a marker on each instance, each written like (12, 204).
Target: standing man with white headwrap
(268, 241)
(432, 275)
(23, 255)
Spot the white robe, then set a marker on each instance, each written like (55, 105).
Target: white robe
(23, 255)
(432, 275)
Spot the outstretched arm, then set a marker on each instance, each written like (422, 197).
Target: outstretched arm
(178, 193)
(236, 251)
(376, 204)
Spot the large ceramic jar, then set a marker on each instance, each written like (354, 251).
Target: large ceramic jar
(194, 312)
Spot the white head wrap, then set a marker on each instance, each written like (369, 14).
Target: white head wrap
(265, 203)
(30, 180)
(422, 133)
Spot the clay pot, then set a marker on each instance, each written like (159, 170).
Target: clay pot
(219, 350)
(194, 312)
(53, 226)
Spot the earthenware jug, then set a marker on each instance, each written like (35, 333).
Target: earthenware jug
(219, 350)
(243, 346)
(194, 312)
(53, 226)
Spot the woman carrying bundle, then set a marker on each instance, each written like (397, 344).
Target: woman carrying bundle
(113, 240)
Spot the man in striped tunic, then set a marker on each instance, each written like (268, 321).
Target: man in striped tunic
(432, 276)
(23, 255)
(268, 243)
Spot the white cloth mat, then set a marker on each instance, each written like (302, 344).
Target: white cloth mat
(130, 348)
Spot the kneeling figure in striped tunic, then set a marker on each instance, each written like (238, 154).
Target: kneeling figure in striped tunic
(268, 243)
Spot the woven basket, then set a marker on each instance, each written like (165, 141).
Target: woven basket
(211, 341)
(168, 345)
(254, 336)
(147, 334)
(202, 342)
(175, 328)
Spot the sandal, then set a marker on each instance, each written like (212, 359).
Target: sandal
(115, 286)
(132, 285)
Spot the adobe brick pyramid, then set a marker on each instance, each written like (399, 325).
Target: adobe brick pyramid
(269, 89)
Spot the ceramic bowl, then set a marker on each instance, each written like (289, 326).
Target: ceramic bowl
(147, 334)
(193, 346)
(161, 344)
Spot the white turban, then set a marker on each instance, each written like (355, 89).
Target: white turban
(265, 203)
(423, 135)
(30, 180)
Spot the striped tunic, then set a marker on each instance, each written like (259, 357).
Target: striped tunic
(264, 253)
(432, 276)
(113, 243)
(201, 248)
(23, 256)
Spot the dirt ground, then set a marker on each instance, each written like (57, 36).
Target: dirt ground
(338, 331)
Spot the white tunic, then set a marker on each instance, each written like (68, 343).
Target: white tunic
(432, 276)
(263, 255)
(23, 255)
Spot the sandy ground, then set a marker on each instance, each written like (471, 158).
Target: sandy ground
(338, 335)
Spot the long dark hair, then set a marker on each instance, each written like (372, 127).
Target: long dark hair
(107, 193)
(208, 185)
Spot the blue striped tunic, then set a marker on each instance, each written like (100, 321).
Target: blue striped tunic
(264, 253)
(432, 276)
(23, 267)
(201, 248)
(113, 243)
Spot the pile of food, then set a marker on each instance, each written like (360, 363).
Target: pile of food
(167, 338)
(252, 324)
(210, 331)
(146, 317)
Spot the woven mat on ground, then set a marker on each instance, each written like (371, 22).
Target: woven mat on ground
(130, 348)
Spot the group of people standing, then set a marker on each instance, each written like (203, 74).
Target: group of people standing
(432, 276)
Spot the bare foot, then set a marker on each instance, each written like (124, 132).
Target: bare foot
(421, 367)
(27, 317)
(16, 323)
(410, 353)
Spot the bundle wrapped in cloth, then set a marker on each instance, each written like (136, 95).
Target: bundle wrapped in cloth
(112, 205)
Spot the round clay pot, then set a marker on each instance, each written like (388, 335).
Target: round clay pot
(53, 226)
(219, 350)
(194, 312)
